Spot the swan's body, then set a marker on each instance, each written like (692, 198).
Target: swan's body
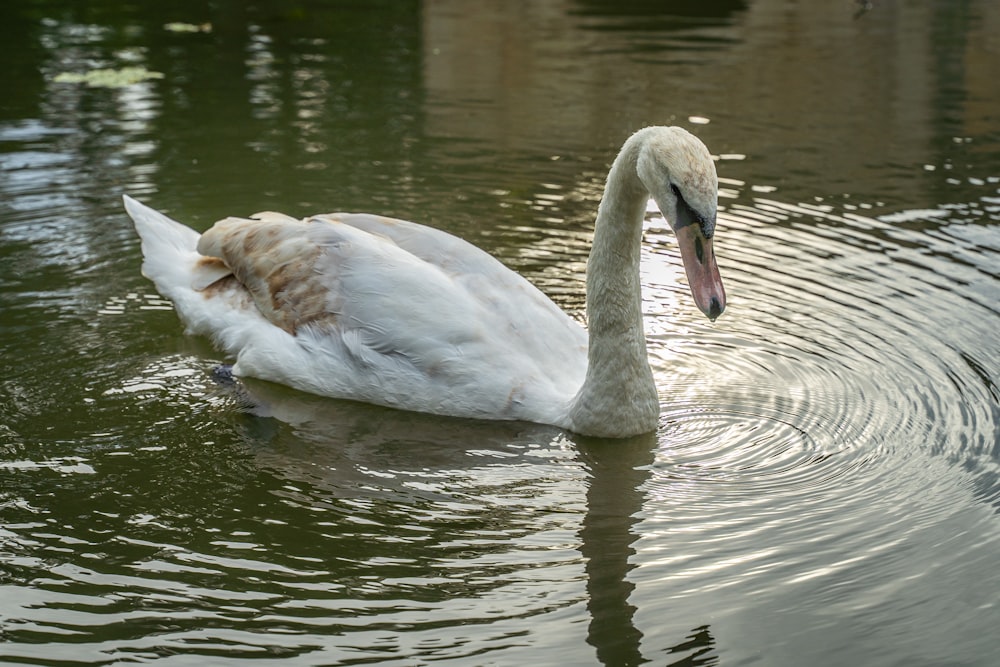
(391, 312)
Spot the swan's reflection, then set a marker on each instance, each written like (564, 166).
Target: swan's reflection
(342, 446)
(618, 470)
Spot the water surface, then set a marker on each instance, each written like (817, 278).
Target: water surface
(824, 486)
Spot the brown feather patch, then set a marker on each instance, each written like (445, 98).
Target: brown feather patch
(208, 270)
(276, 262)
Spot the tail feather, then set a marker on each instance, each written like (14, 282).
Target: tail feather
(156, 229)
(169, 249)
(183, 275)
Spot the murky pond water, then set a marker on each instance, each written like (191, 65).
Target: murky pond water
(824, 487)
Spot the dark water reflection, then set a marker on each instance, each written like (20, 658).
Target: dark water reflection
(825, 483)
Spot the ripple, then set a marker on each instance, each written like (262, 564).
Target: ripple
(845, 404)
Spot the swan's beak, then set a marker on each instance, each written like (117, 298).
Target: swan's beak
(702, 270)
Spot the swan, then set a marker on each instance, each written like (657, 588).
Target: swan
(390, 312)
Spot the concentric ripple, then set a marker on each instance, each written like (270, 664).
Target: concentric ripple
(846, 401)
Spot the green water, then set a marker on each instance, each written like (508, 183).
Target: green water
(824, 486)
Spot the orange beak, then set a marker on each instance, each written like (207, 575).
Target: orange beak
(702, 271)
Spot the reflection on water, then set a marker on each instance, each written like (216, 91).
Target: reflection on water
(825, 482)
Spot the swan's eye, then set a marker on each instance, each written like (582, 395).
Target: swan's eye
(676, 190)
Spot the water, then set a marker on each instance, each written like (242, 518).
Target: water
(824, 485)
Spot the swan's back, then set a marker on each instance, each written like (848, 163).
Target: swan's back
(370, 308)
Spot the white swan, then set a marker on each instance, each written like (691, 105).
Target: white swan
(391, 312)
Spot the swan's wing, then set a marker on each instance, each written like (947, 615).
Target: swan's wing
(507, 292)
(451, 253)
(393, 290)
(296, 269)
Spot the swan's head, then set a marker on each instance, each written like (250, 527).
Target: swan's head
(677, 169)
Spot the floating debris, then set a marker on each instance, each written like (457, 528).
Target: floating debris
(109, 78)
(188, 27)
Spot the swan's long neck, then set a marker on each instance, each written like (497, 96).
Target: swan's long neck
(619, 396)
